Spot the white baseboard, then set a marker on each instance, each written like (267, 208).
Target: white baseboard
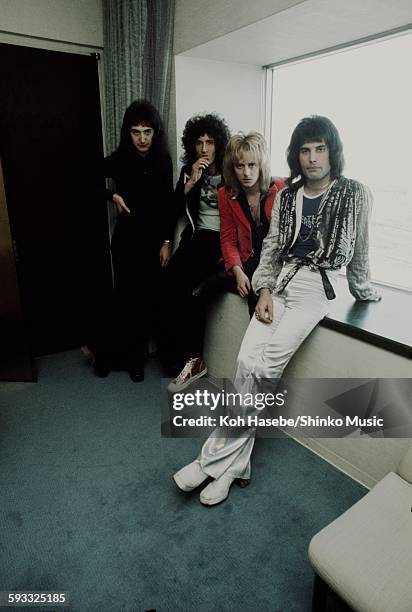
(316, 446)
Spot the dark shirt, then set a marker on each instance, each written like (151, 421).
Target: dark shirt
(304, 242)
(146, 185)
(259, 230)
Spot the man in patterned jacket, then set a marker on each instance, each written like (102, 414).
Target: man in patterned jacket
(319, 224)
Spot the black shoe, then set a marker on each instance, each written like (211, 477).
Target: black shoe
(136, 374)
(101, 369)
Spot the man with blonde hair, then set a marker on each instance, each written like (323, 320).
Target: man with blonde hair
(245, 206)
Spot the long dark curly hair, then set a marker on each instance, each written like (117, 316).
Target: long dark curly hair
(210, 124)
(314, 129)
(142, 111)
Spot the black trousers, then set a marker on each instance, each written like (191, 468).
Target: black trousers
(136, 302)
(132, 316)
(194, 277)
(219, 280)
(183, 320)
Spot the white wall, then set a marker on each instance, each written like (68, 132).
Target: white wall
(197, 22)
(234, 91)
(74, 21)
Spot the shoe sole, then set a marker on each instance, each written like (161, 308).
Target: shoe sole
(100, 373)
(173, 388)
(136, 379)
(212, 502)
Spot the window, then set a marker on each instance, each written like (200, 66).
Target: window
(367, 92)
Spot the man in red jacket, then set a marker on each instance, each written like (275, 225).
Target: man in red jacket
(245, 206)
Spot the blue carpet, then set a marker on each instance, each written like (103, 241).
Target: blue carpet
(88, 505)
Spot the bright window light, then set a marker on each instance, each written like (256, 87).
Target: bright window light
(367, 92)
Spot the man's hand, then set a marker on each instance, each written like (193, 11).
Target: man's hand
(164, 254)
(198, 168)
(120, 203)
(264, 307)
(242, 281)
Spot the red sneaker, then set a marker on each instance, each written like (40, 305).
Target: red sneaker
(194, 369)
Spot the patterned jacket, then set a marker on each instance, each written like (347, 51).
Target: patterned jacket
(340, 236)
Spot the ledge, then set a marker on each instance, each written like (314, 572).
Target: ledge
(386, 324)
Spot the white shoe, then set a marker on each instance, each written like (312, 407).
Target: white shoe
(190, 476)
(216, 491)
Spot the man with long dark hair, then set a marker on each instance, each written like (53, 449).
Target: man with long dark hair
(142, 171)
(204, 141)
(319, 224)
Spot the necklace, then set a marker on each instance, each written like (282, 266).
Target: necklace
(319, 190)
(255, 208)
(308, 236)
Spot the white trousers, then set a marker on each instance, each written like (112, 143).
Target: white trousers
(265, 351)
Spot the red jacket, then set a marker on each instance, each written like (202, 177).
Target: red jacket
(235, 231)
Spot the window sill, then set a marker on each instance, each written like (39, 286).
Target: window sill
(386, 324)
